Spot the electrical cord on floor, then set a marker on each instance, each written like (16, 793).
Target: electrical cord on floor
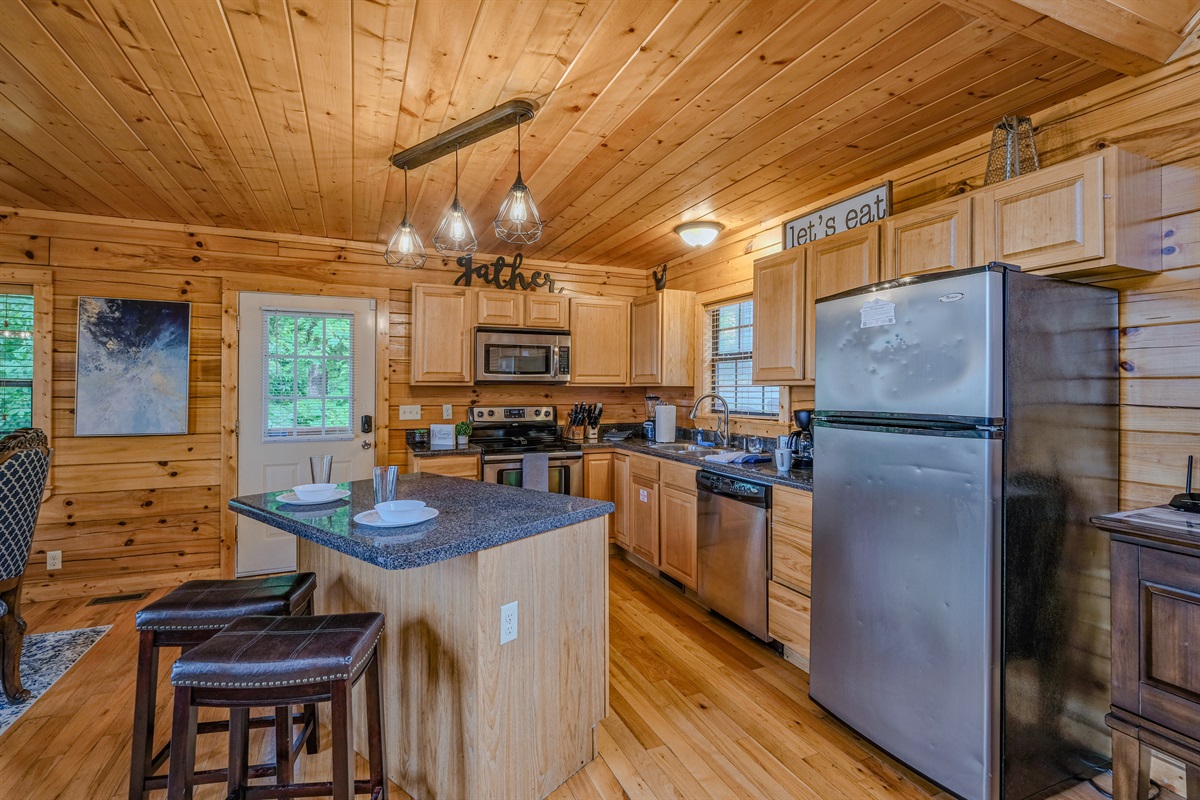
(1094, 785)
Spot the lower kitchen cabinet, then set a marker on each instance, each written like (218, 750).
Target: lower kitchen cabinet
(620, 498)
(452, 466)
(598, 480)
(677, 535)
(643, 518)
(789, 616)
(789, 601)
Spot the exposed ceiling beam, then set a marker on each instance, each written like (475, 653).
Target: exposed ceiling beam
(1100, 31)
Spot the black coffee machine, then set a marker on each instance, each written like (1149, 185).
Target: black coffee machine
(800, 441)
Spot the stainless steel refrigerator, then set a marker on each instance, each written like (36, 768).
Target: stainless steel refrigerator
(966, 429)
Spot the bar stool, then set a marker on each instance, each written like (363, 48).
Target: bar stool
(274, 661)
(188, 616)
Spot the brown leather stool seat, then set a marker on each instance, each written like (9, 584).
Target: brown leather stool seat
(266, 661)
(188, 616)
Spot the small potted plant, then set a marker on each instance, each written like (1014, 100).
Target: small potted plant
(462, 430)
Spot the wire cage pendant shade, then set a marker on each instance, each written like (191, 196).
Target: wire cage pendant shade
(405, 248)
(518, 219)
(455, 235)
(1013, 151)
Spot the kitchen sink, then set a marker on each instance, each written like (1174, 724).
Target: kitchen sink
(698, 450)
(672, 447)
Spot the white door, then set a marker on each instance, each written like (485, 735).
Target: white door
(306, 378)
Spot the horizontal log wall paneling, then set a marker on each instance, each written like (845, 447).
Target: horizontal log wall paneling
(136, 512)
(1155, 115)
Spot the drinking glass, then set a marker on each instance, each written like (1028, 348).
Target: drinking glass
(385, 483)
(322, 468)
(753, 444)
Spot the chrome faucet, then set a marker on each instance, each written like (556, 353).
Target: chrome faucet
(722, 422)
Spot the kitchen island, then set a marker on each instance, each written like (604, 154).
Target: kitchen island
(467, 716)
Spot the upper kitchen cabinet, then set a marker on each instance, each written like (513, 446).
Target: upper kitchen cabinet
(547, 311)
(510, 309)
(845, 261)
(1092, 214)
(782, 354)
(930, 239)
(500, 308)
(442, 318)
(662, 339)
(599, 341)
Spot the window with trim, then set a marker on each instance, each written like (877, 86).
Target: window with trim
(309, 375)
(730, 364)
(16, 357)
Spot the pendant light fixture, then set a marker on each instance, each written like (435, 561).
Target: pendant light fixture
(518, 219)
(405, 248)
(454, 235)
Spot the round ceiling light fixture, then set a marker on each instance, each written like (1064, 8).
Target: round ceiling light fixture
(700, 232)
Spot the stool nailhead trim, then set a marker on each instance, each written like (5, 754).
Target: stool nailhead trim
(270, 684)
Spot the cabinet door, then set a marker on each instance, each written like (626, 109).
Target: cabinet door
(1049, 217)
(621, 489)
(845, 261)
(499, 308)
(677, 535)
(645, 341)
(597, 480)
(442, 318)
(643, 519)
(780, 290)
(789, 619)
(599, 341)
(930, 239)
(546, 311)
(791, 556)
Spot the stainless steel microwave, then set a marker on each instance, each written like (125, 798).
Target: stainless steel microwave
(521, 355)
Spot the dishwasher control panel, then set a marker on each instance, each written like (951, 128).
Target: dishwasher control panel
(732, 487)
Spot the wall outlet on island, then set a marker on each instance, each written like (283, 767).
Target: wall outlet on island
(410, 412)
(447, 411)
(508, 622)
(54, 561)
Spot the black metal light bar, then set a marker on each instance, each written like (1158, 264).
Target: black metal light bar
(476, 129)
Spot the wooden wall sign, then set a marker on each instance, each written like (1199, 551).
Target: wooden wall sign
(494, 274)
(861, 209)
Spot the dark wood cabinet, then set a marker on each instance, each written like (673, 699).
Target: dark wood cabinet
(1155, 650)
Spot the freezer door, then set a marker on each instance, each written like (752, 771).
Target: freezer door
(930, 349)
(904, 589)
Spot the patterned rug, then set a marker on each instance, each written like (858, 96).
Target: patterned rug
(44, 659)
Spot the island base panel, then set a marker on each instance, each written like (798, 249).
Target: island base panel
(465, 715)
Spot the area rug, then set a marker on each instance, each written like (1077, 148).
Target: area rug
(44, 659)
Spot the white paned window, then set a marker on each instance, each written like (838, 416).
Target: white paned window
(308, 375)
(16, 360)
(730, 361)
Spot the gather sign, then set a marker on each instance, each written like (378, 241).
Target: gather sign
(861, 209)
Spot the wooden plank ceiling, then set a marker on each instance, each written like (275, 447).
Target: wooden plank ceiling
(280, 115)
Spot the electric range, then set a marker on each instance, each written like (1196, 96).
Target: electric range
(506, 434)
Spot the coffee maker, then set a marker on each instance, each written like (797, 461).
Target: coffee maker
(800, 441)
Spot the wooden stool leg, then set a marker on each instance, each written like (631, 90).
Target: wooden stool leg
(239, 751)
(183, 746)
(144, 702)
(312, 744)
(283, 744)
(375, 735)
(11, 641)
(1130, 768)
(342, 722)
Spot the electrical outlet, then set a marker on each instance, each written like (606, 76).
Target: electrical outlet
(54, 561)
(410, 412)
(508, 622)
(447, 411)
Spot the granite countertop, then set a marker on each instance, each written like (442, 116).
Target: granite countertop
(766, 473)
(425, 449)
(472, 516)
(1157, 523)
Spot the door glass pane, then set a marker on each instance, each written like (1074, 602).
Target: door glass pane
(308, 375)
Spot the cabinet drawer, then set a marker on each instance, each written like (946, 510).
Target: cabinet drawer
(644, 467)
(453, 466)
(792, 507)
(789, 616)
(791, 556)
(681, 476)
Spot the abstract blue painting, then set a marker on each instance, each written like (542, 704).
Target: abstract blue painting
(131, 367)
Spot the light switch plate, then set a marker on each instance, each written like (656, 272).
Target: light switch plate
(447, 411)
(410, 412)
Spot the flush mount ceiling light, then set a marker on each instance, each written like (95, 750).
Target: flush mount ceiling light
(454, 235)
(518, 219)
(405, 248)
(700, 232)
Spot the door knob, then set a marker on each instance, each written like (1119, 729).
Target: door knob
(366, 445)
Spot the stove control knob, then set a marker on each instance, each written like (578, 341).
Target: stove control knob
(491, 413)
(537, 412)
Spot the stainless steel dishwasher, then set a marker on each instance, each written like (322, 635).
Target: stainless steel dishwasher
(733, 539)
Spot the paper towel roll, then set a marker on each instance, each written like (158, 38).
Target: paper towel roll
(664, 423)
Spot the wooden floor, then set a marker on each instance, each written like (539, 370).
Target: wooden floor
(698, 711)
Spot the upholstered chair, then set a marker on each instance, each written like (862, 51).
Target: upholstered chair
(24, 465)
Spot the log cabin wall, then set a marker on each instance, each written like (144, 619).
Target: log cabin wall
(1155, 115)
(135, 512)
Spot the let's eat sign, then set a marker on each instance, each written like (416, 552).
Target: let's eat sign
(861, 209)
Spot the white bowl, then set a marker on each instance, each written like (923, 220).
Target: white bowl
(398, 510)
(314, 491)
